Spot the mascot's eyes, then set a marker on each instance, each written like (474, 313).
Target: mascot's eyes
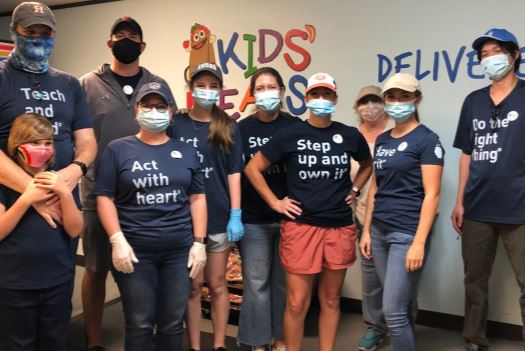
(202, 34)
(196, 37)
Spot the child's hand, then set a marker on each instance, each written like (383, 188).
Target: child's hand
(34, 193)
(52, 181)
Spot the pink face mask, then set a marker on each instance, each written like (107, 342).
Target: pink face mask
(35, 156)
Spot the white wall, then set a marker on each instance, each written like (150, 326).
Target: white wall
(350, 34)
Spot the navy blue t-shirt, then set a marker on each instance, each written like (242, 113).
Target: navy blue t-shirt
(397, 167)
(34, 255)
(493, 137)
(216, 166)
(55, 95)
(318, 169)
(151, 185)
(255, 133)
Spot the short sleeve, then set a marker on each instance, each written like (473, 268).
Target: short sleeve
(463, 139)
(432, 152)
(82, 118)
(197, 177)
(235, 159)
(274, 149)
(363, 151)
(106, 179)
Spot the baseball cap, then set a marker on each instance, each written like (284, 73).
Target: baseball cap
(28, 13)
(321, 80)
(369, 90)
(498, 34)
(403, 81)
(126, 20)
(207, 67)
(154, 88)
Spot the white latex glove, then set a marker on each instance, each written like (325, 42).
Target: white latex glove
(197, 259)
(121, 253)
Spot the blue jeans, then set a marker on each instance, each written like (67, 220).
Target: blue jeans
(155, 294)
(35, 319)
(264, 286)
(389, 249)
(372, 293)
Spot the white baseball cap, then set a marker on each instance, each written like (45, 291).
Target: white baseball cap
(321, 80)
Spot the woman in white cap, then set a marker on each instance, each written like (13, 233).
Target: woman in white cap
(151, 203)
(218, 142)
(373, 121)
(317, 236)
(402, 203)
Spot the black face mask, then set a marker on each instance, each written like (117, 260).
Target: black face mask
(126, 50)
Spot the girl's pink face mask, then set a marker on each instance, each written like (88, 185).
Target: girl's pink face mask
(35, 156)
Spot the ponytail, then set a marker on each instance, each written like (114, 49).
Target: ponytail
(221, 130)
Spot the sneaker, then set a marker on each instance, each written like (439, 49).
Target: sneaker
(259, 348)
(371, 340)
(278, 348)
(475, 347)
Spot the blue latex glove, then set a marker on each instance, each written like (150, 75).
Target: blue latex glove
(235, 228)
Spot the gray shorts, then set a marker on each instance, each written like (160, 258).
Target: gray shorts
(218, 243)
(95, 243)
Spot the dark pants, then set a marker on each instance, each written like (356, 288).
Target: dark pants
(479, 243)
(155, 295)
(35, 319)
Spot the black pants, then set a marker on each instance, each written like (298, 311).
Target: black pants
(35, 319)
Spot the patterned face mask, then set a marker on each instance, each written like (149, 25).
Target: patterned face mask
(31, 53)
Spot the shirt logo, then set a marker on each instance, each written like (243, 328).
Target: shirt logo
(402, 146)
(438, 151)
(176, 154)
(513, 115)
(337, 138)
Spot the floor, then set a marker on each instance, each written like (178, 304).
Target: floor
(350, 331)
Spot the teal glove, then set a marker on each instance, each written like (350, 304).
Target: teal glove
(235, 229)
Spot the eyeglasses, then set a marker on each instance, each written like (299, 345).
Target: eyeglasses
(159, 108)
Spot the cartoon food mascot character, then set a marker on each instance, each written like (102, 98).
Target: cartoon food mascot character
(200, 47)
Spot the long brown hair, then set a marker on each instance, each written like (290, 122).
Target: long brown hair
(221, 126)
(28, 128)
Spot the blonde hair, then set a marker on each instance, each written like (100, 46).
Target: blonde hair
(28, 128)
(221, 126)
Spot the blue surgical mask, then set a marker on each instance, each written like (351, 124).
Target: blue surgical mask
(400, 111)
(153, 121)
(321, 107)
(31, 54)
(497, 66)
(205, 97)
(268, 100)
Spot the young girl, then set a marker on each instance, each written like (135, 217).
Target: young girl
(219, 147)
(36, 262)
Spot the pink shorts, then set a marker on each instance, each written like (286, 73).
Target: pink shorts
(307, 249)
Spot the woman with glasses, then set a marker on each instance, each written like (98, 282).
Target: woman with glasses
(151, 203)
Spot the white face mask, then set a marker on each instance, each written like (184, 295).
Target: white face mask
(371, 111)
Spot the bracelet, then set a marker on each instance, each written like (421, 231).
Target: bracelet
(356, 191)
(82, 166)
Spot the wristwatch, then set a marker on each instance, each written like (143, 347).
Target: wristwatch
(356, 191)
(202, 240)
(82, 166)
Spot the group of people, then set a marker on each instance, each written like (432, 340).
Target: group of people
(165, 195)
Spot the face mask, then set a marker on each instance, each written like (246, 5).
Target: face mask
(497, 66)
(205, 97)
(31, 54)
(268, 100)
(321, 107)
(400, 111)
(371, 111)
(34, 156)
(126, 50)
(153, 121)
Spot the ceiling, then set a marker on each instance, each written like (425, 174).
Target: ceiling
(7, 6)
